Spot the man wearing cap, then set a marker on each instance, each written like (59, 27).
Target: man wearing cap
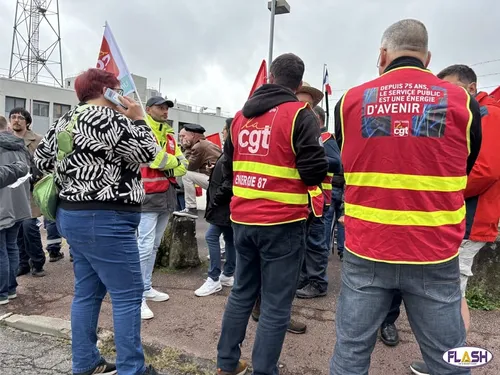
(160, 201)
(313, 281)
(202, 155)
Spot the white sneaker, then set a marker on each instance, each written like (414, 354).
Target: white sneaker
(156, 296)
(209, 287)
(6, 301)
(226, 281)
(146, 312)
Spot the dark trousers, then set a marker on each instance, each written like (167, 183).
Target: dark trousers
(395, 310)
(316, 257)
(268, 260)
(54, 239)
(30, 246)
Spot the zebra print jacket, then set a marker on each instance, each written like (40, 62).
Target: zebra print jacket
(103, 171)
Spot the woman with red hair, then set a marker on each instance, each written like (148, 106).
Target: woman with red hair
(97, 172)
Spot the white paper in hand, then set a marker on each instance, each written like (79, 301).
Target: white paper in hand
(20, 181)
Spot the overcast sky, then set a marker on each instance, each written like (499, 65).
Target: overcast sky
(207, 52)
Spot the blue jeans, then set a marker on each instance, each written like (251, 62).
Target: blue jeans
(316, 257)
(432, 298)
(105, 259)
(213, 241)
(30, 245)
(335, 211)
(269, 260)
(9, 260)
(181, 202)
(150, 233)
(54, 239)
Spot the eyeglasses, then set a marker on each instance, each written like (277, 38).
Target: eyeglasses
(17, 117)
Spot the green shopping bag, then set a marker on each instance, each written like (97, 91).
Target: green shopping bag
(46, 196)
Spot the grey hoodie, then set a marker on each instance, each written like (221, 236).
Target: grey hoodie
(14, 203)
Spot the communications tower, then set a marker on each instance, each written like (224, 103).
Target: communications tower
(36, 54)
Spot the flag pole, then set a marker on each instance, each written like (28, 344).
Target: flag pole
(323, 83)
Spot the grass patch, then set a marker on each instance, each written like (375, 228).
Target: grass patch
(478, 300)
(167, 359)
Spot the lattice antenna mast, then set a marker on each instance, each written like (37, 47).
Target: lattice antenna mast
(36, 54)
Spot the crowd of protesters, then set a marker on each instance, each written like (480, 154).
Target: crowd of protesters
(390, 181)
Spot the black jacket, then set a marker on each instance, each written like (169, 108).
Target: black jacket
(475, 129)
(219, 195)
(310, 156)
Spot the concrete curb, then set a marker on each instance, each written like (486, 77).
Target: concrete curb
(38, 324)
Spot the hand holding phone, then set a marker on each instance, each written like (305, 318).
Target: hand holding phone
(114, 98)
(128, 107)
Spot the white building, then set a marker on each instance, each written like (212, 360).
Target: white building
(45, 103)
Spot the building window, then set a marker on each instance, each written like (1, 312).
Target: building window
(60, 110)
(12, 102)
(40, 109)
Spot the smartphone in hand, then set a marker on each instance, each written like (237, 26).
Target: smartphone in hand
(113, 97)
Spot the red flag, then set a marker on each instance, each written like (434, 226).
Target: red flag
(111, 60)
(215, 139)
(261, 77)
(496, 94)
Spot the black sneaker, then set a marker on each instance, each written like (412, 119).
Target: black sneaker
(341, 256)
(389, 334)
(310, 291)
(419, 368)
(23, 271)
(187, 212)
(54, 257)
(102, 367)
(36, 272)
(150, 370)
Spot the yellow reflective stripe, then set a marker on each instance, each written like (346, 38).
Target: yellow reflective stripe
(293, 126)
(469, 123)
(266, 169)
(329, 174)
(326, 186)
(406, 181)
(286, 198)
(159, 160)
(408, 67)
(397, 217)
(400, 261)
(314, 192)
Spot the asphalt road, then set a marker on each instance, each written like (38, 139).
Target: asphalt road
(192, 324)
(24, 353)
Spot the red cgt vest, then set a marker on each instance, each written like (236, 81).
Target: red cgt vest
(154, 180)
(267, 187)
(404, 152)
(326, 185)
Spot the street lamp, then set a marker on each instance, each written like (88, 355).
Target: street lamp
(276, 7)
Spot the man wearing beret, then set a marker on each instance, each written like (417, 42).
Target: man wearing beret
(202, 155)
